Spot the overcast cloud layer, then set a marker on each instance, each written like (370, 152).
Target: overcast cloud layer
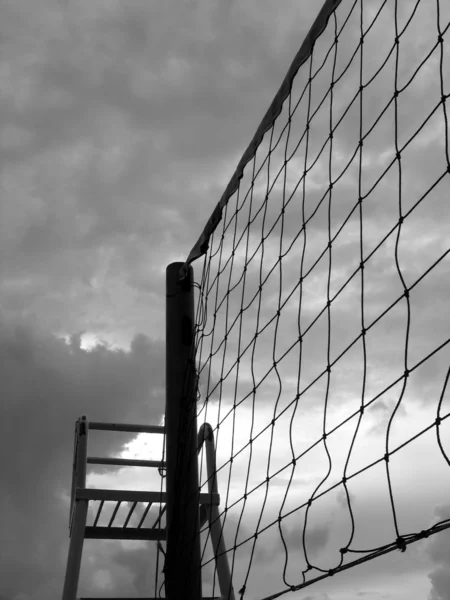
(121, 124)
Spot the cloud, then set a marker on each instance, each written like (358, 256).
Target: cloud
(120, 569)
(439, 552)
(343, 499)
(440, 581)
(46, 385)
(123, 124)
(316, 538)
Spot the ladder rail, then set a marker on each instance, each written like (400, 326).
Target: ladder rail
(211, 512)
(78, 513)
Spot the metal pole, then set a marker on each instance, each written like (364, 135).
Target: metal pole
(80, 509)
(182, 568)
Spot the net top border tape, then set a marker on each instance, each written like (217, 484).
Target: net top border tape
(317, 28)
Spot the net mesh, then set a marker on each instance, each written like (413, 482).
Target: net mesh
(322, 329)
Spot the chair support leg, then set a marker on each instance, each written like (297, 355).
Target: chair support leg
(75, 550)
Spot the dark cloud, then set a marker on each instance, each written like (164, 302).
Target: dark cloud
(46, 385)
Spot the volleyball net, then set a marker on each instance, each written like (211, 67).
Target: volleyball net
(322, 328)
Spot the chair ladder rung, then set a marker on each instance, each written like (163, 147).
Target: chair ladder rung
(125, 462)
(127, 533)
(126, 427)
(144, 515)
(116, 508)
(130, 513)
(102, 502)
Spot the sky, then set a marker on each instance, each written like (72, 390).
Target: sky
(121, 125)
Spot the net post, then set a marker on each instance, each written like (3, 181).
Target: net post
(182, 568)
